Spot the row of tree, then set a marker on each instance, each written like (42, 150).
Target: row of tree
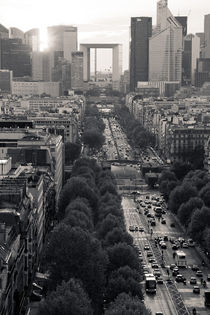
(93, 128)
(93, 265)
(188, 197)
(136, 133)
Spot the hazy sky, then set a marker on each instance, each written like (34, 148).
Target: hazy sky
(97, 21)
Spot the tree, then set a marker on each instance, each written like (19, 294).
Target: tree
(78, 218)
(117, 235)
(93, 139)
(167, 175)
(108, 209)
(186, 209)
(199, 221)
(76, 187)
(73, 252)
(107, 225)
(81, 205)
(107, 186)
(181, 194)
(120, 255)
(181, 169)
(68, 298)
(126, 304)
(166, 187)
(205, 194)
(197, 178)
(119, 284)
(72, 152)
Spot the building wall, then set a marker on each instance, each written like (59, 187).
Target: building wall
(77, 70)
(6, 77)
(207, 36)
(40, 66)
(36, 88)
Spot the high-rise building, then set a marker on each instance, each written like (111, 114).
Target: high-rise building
(5, 81)
(15, 56)
(202, 74)
(32, 39)
(62, 40)
(77, 70)
(207, 36)
(4, 32)
(165, 47)
(15, 32)
(40, 66)
(183, 22)
(190, 55)
(141, 30)
(202, 43)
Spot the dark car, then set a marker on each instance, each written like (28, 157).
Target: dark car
(175, 273)
(153, 223)
(180, 278)
(165, 238)
(163, 221)
(160, 280)
(172, 225)
(195, 268)
(172, 266)
(199, 273)
(141, 229)
(196, 289)
(174, 247)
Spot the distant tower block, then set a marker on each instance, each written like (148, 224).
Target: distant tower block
(116, 60)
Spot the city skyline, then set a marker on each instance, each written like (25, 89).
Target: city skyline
(109, 22)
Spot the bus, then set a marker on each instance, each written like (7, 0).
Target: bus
(181, 259)
(150, 283)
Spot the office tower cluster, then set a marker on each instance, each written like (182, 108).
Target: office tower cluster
(25, 69)
(165, 55)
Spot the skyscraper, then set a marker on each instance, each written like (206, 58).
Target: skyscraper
(207, 36)
(15, 56)
(183, 22)
(15, 32)
(141, 30)
(190, 55)
(32, 39)
(165, 47)
(62, 40)
(77, 70)
(40, 66)
(4, 32)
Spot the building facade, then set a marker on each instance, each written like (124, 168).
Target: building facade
(140, 31)
(40, 66)
(36, 88)
(190, 55)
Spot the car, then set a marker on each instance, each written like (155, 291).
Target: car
(199, 273)
(153, 223)
(193, 280)
(159, 313)
(136, 228)
(163, 221)
(152, 260)
(179, 278)
(160, 280)
(155, 266)
(195, 267)
(163, 245)
(37, 287)
(196, 289)
(172, 225)
(148, 215)
(185, 245)
(165, 238)
(149, 254)
(175, 272)
(174, 247)
(141, 229)
(131, 228)
(149, 207)
(172, 266)
(163, 211)
(208, 277)
(157, 273)
(146, 247)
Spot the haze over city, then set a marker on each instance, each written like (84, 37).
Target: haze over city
(107, 22)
